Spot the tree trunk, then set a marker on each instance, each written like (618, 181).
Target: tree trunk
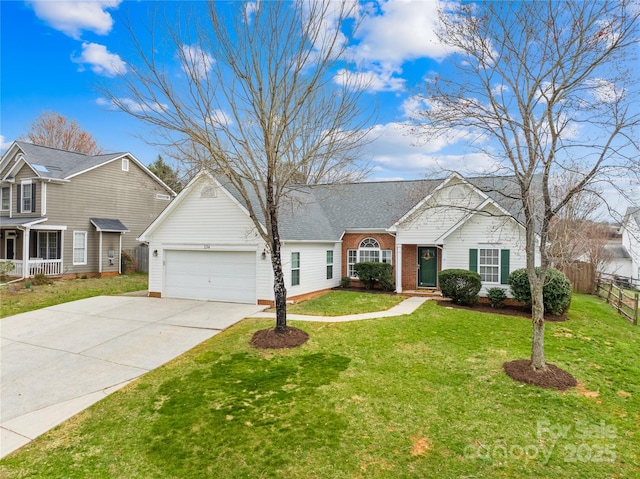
(537, 317)
(279, 289)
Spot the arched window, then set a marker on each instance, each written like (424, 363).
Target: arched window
(368, 251)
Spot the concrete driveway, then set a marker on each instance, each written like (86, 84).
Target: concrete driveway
(57, 361)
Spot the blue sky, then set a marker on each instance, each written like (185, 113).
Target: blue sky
(54, 53)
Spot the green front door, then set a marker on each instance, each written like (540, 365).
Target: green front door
(428, 267)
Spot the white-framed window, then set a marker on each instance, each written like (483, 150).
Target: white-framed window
(125, 164)
(295, 269)
(26, 201)
(489, 265)
(329, 264)
(368, 251)
(79, 247)
(5, 198)
(48, 244)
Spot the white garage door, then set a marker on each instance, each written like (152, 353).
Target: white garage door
(211, 275)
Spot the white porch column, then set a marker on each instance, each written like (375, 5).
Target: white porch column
(399, 268)
(26, 268)
(100, 254)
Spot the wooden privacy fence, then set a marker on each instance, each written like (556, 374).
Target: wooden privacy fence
(582, 276)
(625, 301)
(142, 258)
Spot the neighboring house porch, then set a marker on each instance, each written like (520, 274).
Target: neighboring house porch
(32, 249)
(35, 247)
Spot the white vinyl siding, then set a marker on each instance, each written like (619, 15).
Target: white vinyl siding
(488, 231)
(438, 215)
(79, 247)
(313, 267)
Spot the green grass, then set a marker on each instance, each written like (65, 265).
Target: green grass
(339, 303)
(15, 298)
(416, 396)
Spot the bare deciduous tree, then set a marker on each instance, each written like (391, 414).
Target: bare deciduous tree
(547, 90)
(255, 100)
(54, 130)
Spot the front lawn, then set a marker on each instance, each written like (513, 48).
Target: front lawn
(339, 303)
(416, 396)
(16, 298)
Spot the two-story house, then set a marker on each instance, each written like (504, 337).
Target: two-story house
(66, 213)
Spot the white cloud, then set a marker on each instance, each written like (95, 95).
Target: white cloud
(72, 17)
(101, 61)
(4, 144)
(398, 31)
(393, 32)
(605, 91)
(220, 118)
(374, 81)
(397, 152)
(195, 61)
(132, 105)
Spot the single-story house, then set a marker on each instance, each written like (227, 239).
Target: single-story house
(205, 246)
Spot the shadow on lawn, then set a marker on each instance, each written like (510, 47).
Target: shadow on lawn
(247, 404)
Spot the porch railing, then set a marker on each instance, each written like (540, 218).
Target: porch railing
(48, 267)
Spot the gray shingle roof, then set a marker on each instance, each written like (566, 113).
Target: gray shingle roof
(616, 251)
(325, 212)
(60, 164)
(108, 225)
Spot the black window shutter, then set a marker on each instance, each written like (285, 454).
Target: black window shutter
(473, 260)
(33, 197)
(504, 266)
(19, 203)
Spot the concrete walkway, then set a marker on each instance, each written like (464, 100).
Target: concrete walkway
(408, 306)
(57, 361)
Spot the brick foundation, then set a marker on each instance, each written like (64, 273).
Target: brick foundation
(155, 294)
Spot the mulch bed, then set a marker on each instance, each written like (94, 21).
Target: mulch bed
(508, 310)
(270, 339)
(552, 377)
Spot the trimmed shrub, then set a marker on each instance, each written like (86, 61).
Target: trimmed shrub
(497, 297)
(371, 272)
(460, 285)
(556, 291)
(345, 282)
